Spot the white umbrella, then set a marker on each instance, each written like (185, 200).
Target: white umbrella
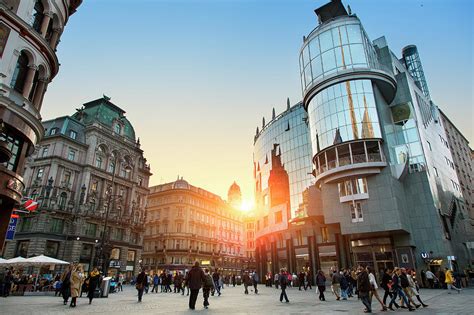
(2, 261)
(43, 260)
(14, 261)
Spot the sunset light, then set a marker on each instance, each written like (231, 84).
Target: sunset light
(247, 205)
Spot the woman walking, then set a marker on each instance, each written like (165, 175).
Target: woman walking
(66, 284)
(397, 290)
(374, 287)
(414, 286)
(449, 280)
(94, 279)
(76, 282)
(321, 283)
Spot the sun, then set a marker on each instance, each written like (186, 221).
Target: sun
(246, 206)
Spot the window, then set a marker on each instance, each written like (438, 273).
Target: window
(324, 234)
(45, 151)
(112, 167)
(130, 257)
(51, 249)
(265, 221)
(25, 225)
(90, 229)
(14, 144)
(66, 179)
(98, 162)
(62, 201)
(56, 226)
(178, 227)
(119, 234)
(356, 212)
(22, 248)
(299, 238)
(72, 155)
(278, 217)
(73, 134)
(38, 15)
(118, 129)
(19, 75)
(353, 186)
(86, 253)
(40, 173)
(436, 171)
(115, 254)
(53, 131)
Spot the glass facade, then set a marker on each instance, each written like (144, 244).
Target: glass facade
(343, 112)
(290, 131)
(343, 46)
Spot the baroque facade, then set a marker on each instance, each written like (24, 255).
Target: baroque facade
(29, 36)
(185, 224)
(88, 175)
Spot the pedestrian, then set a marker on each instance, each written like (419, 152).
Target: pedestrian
(169, 280)
(406, 288)
(206, 287)
(7, 283)
(363, 287)
(246, 280)
(217, 285)
(449, 280)
(386, 284)
(76, 282)
(233, 280)
(185, 284)
(411, 275)
(195, 280)
(66, 284)
(120, 282)
(430, 276)
(94, 279)
(149, 281)
(336, 284)
(275, 279)
(156, 283)
(374, 287)
(163, 281)
(321, 284)
(142, 282)
(255, 280)
(398, 291)
(344, 286)
(308, 279)
(301, 280)
(283, 280)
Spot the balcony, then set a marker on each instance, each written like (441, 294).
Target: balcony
(360, 157)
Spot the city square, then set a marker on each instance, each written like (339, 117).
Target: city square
(195, 144)
(232, 301)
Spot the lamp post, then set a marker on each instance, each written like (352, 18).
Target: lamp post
(104, 246)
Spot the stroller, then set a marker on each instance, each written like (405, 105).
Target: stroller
(113, 286)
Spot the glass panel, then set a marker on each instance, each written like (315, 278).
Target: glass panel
(325, 40)
(314, 48)
(316, 67)
(354, 34)
(358, 54)
(329, 60)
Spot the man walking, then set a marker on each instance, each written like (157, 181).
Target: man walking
(336, 284)
(246, 280)
(206, 287)
(363, 286)
(283, 280)
(255, 280)
(216, 277)
(195, 280)
(430, 277)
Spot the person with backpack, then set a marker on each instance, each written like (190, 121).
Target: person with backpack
(363, 286)
(255, 280)
(206, 287)
(283, 283)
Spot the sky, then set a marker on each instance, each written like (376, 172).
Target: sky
(196, 76)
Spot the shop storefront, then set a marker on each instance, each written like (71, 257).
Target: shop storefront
(377, 253)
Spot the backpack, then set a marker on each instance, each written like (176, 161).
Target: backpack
(208, 283)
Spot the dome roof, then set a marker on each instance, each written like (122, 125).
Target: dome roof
(180, 183)
(234, 188)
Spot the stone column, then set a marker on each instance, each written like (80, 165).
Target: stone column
(28, 84)
(45, 24)
(38, 97)
(53, 42)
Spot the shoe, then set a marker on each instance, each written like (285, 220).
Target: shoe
(403, 306)
(411, 309)
(65, 302)
(425, 305)
(390, 308)
(417, 305)
(287, 302)
(367, 311)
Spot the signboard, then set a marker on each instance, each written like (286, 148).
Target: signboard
(425, 255)
(114, 264)
(129, 268)
(12, 227)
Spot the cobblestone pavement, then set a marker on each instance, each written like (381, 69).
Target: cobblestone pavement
(232, 301)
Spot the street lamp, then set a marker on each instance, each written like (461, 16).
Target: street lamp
(105, 251)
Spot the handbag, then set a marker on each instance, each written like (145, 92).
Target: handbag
(139, 286)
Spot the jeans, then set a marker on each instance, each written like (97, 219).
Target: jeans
(193, 298)
(255, 287)
(246, 288)
(386, 294)
(155, 288)
(218, 287)
(205, 294)
(344, 294)
(364, 297)
(140, 294)
(283, 295)
(399, 292)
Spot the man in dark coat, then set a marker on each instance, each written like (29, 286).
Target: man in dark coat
(283, 283)
(142, 282)
(195, 280)
(364, 288)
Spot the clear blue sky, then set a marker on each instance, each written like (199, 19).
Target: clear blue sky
(196, 77)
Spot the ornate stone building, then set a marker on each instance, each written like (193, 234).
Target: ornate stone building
(186, 223)
(29, 35)
(87, 173)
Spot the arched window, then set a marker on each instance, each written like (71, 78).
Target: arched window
(38, 15)
(98, 161)
(62, 201)
(19, 75)
(112, 167)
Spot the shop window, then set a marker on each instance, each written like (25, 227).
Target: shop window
(115, 254)
(22, 249)
(51, 249)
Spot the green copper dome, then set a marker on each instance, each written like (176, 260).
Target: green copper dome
(106, 113)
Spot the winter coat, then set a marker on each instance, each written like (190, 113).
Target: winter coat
(449, 277)
(195, 278)
(76, 282)
(320, 280)
(363, 283)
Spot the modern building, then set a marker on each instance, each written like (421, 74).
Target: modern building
(88, 175)
(185, 223)
(29, 35)
(289, 231)
(381, 156)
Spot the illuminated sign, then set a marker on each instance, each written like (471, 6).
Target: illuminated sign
(205, 262)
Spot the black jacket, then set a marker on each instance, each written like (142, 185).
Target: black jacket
(363, 283)
(196, 278)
